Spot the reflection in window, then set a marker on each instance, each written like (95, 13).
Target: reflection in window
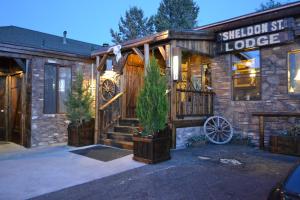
(246, 75)
(64, 87)
(294, 72)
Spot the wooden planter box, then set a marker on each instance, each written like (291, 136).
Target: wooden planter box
(154, 149)
(81, 135)
(285, 145)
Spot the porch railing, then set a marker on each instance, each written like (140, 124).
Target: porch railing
(109, 113)
(193, 103)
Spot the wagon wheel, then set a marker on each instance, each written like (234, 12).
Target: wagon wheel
(108, 89)
(218, 130)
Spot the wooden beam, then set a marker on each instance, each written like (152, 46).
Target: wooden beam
(162, 52)
(139, 53)
(102, 62)
(20, 63)
(146, 55)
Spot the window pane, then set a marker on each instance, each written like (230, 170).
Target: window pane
(109, 64)
(50, 89)
(246, 75)
(195, 74)
(294, 72)
(64, 86)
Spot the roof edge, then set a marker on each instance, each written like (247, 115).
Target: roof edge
(253, 14)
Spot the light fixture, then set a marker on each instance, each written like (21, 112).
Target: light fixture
(297, 77)
(252, 73)
(175, 67)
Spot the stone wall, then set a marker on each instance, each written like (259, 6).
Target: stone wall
(274, 91)
(183, 134)
(47, 129)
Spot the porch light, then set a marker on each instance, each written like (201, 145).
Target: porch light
(175, 67)
(297, 77)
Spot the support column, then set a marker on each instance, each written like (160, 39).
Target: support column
(173, 94)
(96, 134)
(146, 57)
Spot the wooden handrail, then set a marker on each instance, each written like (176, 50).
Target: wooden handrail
(195, 91)
(111, 101)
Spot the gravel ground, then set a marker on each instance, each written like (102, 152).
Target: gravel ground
(194, 173)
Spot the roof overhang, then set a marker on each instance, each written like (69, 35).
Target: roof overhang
(160, 38)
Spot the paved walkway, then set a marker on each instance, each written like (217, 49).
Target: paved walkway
(244, 173)
(28, 173)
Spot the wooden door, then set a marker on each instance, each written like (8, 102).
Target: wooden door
(2, 108)
(134, 80)
(15, 108)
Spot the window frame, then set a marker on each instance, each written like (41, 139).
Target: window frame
(260, 75)
(288, 70)
(57, 66)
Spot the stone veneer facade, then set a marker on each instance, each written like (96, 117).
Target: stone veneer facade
(48, 129)
(274, 93)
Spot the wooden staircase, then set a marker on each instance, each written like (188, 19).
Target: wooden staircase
(121, 134)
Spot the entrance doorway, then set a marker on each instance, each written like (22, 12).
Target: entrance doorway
(134, 73)
(11, 78)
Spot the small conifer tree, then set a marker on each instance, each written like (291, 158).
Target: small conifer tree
(79, 101)
(152, 103)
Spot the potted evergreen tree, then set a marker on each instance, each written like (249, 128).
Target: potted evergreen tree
(151, 144)
(79, 112)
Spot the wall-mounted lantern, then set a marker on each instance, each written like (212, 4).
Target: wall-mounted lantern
(176, 63)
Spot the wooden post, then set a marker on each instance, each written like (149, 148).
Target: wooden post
(97, 119)
(123, 89)
(261, 132)
(173, 93)
(23, 109)
(146, 57)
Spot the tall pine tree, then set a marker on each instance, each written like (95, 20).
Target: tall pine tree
(269, 5)
(176, 15)
(134, 25)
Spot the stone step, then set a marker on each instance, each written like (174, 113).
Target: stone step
(129, 122)
(120, 136)
(118, 144)
(124, 129)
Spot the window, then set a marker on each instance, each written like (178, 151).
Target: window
(246, 76)
(294, 72)
(56, 88)
(195, 72)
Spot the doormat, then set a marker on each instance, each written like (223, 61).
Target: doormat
(103, 153)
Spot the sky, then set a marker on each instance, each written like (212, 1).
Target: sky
(91, 20)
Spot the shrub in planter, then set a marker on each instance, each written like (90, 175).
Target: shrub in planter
(152, 143)
(79, 113)
(288, 143)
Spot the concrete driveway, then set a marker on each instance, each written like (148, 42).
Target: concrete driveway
(244, 173)
(28, 173)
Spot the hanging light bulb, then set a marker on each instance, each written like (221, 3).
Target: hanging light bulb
(297, 77)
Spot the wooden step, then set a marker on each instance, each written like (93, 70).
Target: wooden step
(125, 129)
(118, 144)
(120, 136)
(129, 122)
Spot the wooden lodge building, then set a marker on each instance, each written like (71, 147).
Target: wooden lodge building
(233, 68)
